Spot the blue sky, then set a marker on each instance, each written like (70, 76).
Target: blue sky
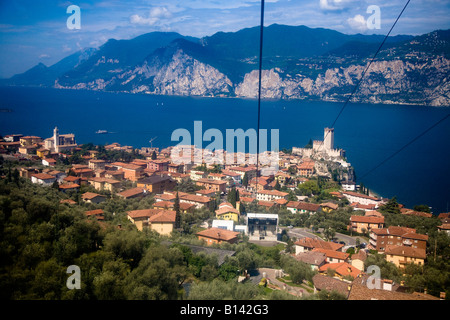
(36, 31)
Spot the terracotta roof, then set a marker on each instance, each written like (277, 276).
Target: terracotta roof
(365, 219)
(69, 201)
(94, 212)
(361, 255)
(263, 203)
(194, 198)
(144, 213)
(410, 212)
(211, 181)
(331, 205)
(322, 282)
(405, 251)
(218, 234)
(444, 226)
(91, 195)
(71, 178)
(333, 254)
(360, 195)
(342, 268)
(165, 196)
(360, 291)
(69, 186)
(154, 179)
(316, 243)
(300, 205)
(131, 192)
(246, 199)
(163, 216)
(311, 257)
(43, 176)
(274, 193)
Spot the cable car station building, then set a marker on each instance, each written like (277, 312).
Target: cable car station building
(262, 226)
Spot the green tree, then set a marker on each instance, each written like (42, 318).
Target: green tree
(245, 180)
(176, 207)
(390, 207)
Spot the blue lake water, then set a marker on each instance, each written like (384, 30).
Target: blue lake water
(420, 174)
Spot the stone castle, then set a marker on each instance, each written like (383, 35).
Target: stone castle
(321, 148)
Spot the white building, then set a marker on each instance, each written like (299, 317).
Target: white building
(43, 179)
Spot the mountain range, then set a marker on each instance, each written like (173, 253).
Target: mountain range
(298, 63)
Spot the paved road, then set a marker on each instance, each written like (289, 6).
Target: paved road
(304, 232)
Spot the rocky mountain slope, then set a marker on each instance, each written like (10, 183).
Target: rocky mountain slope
(298, 63)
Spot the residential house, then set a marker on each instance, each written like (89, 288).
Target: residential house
(140, 217)
(43, 179)
(362, 224)
(157, 184)
(205, 193)
(30, 141)
(65, 187)
(196, 175)
(361, 198)
(309, 244)
(97, 214)
(28, 172)
(322, 282)
(72, 180)
(401, 255)
(93, 197)
(48, 162)
(342, 270)
(165, 197)
(302, 207)
(95, 164)
(445, 227)
(333, 256)
(396, 236)
(133, 193)
(361, 290)
(329, 207)
(357, 259)
(198, 201)
(211, 184)
(161, 165)
(163, 222)
(306, 168)
(314, 258)
(235, 176)
(348, 185)
(226, 211)
(184, 207)
(410, 212)
(131, 172)
(251, 171)
(217, 235)
(104, 184)
(271, 195)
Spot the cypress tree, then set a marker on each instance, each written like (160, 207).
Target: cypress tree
(176, 207)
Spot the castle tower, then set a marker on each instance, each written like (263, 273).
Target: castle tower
(56, 139)
(328, 138)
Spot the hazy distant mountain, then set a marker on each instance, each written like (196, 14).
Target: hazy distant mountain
(298, 62)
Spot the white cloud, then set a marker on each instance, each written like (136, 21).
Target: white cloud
(336, 5)
(44, 56)
(155, 15)
(358, 23)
